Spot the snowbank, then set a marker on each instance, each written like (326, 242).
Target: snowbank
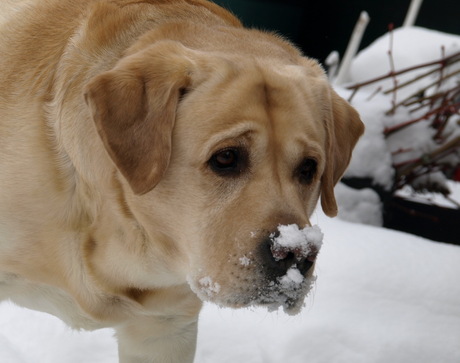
(359, 205)
(381, 296)
(375, 154)
(411, 46)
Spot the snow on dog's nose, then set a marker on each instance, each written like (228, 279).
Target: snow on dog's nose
(288, 256)
(292, 248)
(278, 274)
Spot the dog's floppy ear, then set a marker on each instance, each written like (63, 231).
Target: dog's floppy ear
(134, 109)
(344, 127)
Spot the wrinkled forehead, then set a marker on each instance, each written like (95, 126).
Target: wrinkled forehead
(281, 102)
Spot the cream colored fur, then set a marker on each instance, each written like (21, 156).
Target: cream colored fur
(110, 111)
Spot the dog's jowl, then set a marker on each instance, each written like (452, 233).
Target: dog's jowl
(154, 154)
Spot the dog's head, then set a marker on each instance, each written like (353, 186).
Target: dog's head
(219, 150)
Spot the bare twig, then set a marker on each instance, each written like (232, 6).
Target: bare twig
(413, 80)
(411, 15)
(442, 68)
(390, 130)
(406, 168)
(422, 90)
(378, 89)
(352, 48)
(392, 69)
(448, 60)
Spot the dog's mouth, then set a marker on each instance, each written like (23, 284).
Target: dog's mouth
(287, 292)
(278, 273)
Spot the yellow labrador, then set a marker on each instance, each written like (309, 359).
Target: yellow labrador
(149, 150)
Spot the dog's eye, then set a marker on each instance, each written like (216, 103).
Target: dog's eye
(228, 162)
(306, 171)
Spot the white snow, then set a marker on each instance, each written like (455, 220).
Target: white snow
(289, 291)
(292, 278)
(434, 198)
(245, 261)
(410, 46)
(381, 296)
(292, 238)
(359, 205)
(208, 287)
(371, 156)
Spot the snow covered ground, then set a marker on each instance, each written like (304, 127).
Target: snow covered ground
(381, 296)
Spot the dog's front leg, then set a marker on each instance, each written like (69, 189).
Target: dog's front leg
(159, 339)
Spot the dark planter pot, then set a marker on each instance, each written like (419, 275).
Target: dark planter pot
(429, 221)
(426, 220)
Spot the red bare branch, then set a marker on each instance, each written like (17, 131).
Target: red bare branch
(443, 62)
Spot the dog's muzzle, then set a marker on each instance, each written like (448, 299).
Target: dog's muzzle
(279, 259)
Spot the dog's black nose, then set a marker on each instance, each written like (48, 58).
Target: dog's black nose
(279, 259)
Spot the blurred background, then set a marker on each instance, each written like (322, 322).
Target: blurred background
(320, 26)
